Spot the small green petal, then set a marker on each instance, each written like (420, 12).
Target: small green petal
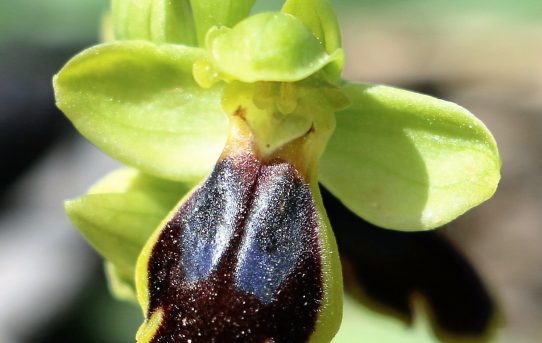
(407, 161)
(320, 18)
(160, 21)
(119, 214)
(209, 13)
(140, 104)
(270, 46)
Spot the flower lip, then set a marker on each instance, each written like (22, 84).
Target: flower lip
(225, 265)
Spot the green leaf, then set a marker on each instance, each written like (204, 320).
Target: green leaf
(160, 21)
(209, 13)
(271, 46)
(119, 214)
(407, 161)
(320, 18)
(140, 104)
(361, 324)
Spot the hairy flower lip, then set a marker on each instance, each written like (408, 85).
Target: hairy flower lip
(281, 222)
(246, 272)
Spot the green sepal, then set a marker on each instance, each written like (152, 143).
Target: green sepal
(407, 161)
(118, 215)
(270, 46)
(209, 13)
(320, 18)
(121, 286)
(159, 21)
(139, 103)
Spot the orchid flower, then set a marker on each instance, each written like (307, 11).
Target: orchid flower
(228, 123)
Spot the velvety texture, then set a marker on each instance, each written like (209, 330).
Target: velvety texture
(241, 253)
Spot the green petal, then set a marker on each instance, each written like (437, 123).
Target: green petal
(159, 21)
(209, 13)
(270, 46)
(407, 161)
(119, 214)
(320, 18)
(140, 104)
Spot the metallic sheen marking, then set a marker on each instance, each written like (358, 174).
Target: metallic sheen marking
(240, 260)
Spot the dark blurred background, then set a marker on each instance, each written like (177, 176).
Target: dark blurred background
(485, 55)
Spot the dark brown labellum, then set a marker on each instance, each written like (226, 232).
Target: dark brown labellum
(240, 259)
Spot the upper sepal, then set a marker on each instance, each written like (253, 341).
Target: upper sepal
(271, 46)
(407, 161)
(159, 21)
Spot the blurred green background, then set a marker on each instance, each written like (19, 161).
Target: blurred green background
(485, 55)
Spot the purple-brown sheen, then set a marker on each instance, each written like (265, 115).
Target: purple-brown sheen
(240, 259)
